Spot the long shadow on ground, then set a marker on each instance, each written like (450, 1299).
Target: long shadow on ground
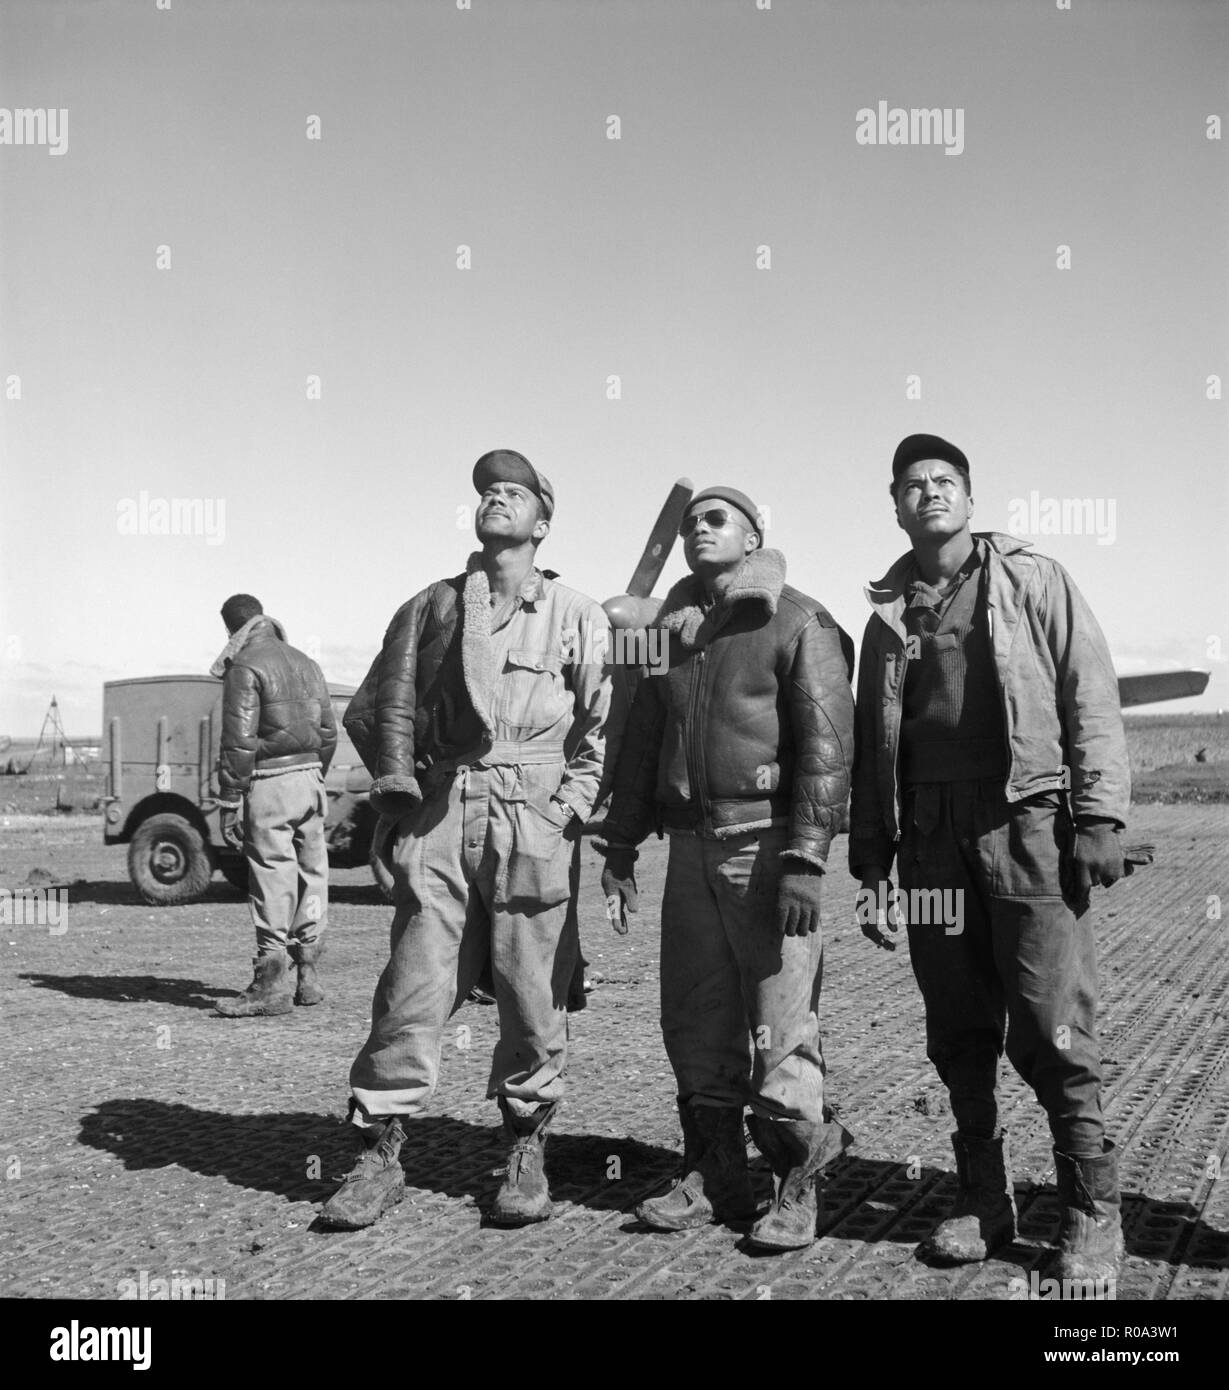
(300, 1155)
(133, 989)
(276, 1153)
(863, 1198)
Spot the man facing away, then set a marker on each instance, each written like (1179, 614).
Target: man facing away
(279, 734)
(991, 764)
(738, 750)
(482, 723)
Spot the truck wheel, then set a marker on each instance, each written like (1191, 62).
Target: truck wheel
(168, 861)
(235, 871)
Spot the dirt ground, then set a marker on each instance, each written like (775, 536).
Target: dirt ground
(143, 1134)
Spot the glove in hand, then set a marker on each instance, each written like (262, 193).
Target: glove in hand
(798, 900)
(619, 887)
(232, 826)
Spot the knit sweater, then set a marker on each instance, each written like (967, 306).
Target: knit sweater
(952, 725)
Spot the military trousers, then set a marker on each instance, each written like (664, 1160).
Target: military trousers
(287, 858)
(1002, 958)
(481, 879)
(739, 999)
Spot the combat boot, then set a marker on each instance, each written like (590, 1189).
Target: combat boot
(983, 1216)
(524, 1196)
(714, 1184)
(306, 955)
(796, 1151)
(374, 1184)
(1090, 1239)
(269, 992)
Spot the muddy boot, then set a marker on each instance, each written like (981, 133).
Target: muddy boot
(375, 1183)
(306, 955)
(1090, 1240)
(796, 1150)
(983, 1216)
(524, 1196)
(269, 992)
(714, 1184)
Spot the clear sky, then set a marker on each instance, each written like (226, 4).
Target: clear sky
(591, 258)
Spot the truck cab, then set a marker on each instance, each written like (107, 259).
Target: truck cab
(161, 737)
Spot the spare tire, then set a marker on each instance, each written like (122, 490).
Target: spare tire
(169, 861)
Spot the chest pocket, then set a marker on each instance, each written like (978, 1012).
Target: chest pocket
(532, 694)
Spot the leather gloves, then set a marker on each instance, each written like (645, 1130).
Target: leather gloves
(877, 890)
(619, 886)
(230, 823)
(798, 900)
(1096, 859)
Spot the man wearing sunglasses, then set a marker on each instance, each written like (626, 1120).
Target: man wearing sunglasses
(992, 766)
(737, 750)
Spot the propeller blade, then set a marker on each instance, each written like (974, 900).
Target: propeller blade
(661, 540)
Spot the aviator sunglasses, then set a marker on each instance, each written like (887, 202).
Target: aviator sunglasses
(715, 518)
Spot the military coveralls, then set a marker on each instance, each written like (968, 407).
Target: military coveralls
(481, 867)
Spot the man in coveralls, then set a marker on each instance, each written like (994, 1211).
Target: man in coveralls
(482, 722)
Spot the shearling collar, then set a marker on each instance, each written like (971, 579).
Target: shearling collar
(477, 653)
(241, 637)
(533, 588)
(759, 580)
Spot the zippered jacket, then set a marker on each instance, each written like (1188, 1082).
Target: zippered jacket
(276, 710)
(1055, 679)
(750, 725)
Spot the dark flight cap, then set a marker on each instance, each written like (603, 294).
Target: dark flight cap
(914, 448)
(737, 499)
(507, 466)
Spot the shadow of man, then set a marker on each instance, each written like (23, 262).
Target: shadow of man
(299, 1155)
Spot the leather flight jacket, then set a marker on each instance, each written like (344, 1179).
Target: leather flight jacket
(276, 711)
(750, 724)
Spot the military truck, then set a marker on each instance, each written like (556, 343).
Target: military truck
(161, 736)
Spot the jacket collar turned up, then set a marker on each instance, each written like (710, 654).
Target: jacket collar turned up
(241, 637)
(759, 580)
(1010, 568)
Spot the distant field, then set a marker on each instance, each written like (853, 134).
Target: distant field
(73, 789)
(1162, 747)
(1165, 752)
(1158, 740)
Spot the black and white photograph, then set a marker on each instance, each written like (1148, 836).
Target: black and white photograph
(614, 656)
